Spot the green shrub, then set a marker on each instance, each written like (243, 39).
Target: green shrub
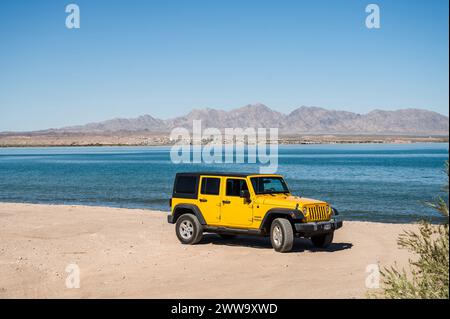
(428, 273)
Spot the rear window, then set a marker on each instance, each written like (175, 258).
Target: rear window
(210, 186)
(186, 185)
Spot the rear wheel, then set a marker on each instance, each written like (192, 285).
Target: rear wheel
(322, 241)
(188, 229)
(281, 235)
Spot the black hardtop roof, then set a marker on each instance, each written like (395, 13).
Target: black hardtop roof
(232, 174)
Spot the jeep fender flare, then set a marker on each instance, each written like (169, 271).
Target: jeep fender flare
(292, 214)
(181, 209)
(335, 212)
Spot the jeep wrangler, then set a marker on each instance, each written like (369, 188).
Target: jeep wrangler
(230, 204)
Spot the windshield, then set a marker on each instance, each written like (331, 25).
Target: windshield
(269, 185)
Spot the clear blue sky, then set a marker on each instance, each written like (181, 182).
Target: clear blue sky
(166, 57)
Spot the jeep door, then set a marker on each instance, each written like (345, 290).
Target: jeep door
(235, 210)
(209, 200)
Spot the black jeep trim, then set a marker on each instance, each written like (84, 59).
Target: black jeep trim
(316, 228)
(231, 230)
(335, 211)
(180, 209)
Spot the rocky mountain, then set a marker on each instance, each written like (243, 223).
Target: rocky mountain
(141, 123)
(405, 121)
(256, 115)
(302, 120)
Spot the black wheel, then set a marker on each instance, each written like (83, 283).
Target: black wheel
(322, 241)
(188, 229)
(281, 235)
(227, 236)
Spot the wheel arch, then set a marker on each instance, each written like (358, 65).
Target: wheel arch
(275, 213)
(182, 209)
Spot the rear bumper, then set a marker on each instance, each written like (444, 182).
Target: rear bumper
(170, 219)
(317, 228)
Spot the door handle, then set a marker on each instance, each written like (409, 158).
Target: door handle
(203, 200)
(226, 201)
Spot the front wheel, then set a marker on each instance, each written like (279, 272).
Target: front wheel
(281, 235)
(322, 241)
(188, 229)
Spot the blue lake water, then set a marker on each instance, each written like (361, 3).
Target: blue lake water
(374, 182)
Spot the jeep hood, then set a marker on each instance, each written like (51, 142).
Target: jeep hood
(286, 201)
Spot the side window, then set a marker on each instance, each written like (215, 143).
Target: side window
(210, 186)
(235, 186)
(186, 185)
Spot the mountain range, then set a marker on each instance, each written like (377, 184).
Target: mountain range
(305, 119)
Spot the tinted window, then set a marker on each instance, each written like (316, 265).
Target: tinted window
(267, 185)
(186, 185)
(235, 186)
(210, 186)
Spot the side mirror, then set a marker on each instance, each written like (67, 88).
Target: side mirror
(245, 194)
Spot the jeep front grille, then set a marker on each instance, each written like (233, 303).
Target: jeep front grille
(318, 213)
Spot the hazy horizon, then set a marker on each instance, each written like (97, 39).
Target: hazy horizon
(165, 59)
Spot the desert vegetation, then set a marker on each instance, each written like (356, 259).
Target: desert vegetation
(427, 276)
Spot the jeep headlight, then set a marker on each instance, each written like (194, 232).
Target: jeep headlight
(304, 211)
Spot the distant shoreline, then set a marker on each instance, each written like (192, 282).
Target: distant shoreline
(148, 139)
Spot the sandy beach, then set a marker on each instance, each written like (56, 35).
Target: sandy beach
(134, 253)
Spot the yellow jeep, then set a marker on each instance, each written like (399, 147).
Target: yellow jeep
(230, 204)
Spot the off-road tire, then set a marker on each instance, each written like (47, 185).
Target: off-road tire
(281, 235)
(322, 241)
(227, 236)
(188, 229)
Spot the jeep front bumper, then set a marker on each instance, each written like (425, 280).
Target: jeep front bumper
(317, 228)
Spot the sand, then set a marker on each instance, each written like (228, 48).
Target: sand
(134, 253)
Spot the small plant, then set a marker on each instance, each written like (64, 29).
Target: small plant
(428, 276)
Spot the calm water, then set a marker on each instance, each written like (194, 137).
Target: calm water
(364, 182)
